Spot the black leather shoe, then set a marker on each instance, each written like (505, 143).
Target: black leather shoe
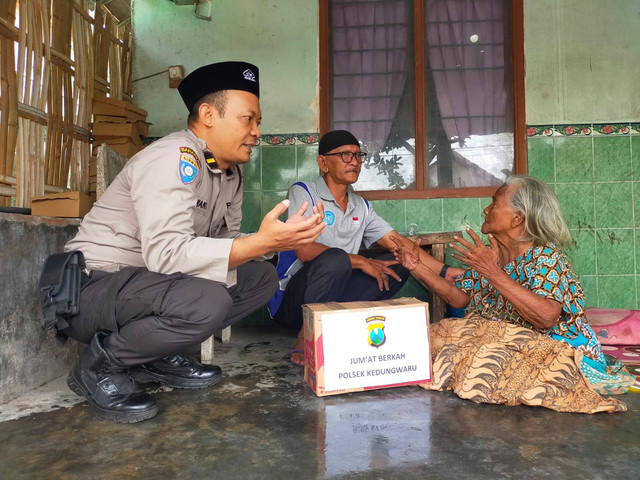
(103, 381)
(177, 371)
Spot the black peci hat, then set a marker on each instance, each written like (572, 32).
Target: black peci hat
(219, 76)
(335, 139)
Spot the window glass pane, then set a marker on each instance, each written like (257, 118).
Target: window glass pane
(469, 92)
(372, 86)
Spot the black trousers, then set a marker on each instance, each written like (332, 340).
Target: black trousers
(330, 278)
(151, 315)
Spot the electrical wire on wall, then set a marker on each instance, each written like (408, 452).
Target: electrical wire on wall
(149, 76)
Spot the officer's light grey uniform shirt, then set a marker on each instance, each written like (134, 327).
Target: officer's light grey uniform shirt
(167, 210)
(348, 230)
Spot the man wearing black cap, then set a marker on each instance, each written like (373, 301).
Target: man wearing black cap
(168, 264)
(331, 269)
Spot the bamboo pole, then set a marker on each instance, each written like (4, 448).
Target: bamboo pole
(21, 162)
(82, 111)
(75, 170)
(126, 62)
(46, 83)
(67, 93)
(114, 59)
(56, 92)
(7, 20)
(49, 164)
(90, 83)
(4, 107)
(8, 95)
(30, 127)
(67, 125)
(101, 49)
(7, 27)
(25, 44)
(52, 127)
(23, 41)
(12, 116)
(36, 179)
(30, 85)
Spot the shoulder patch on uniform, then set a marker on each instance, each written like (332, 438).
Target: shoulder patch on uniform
(189, 151)
(189, 165)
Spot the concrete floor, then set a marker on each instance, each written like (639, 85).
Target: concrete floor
(263, 422)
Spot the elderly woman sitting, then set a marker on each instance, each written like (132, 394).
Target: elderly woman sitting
(524, 338)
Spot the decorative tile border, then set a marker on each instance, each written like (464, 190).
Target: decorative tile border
(540, 131)
(282, 139)
(572, 130)
(288, 139)
(583, 130)
(611, 129)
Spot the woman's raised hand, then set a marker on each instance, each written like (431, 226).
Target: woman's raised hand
(485, 259)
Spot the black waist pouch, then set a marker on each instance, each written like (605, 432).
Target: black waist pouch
(60, 285)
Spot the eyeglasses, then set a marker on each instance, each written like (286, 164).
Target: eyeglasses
(346, 157)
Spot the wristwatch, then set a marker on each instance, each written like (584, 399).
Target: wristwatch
(443, 272)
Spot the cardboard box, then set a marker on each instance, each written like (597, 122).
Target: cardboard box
(356, 346)
(103, 105)
(104, 131)
(109, 119)
(65, 204)
(142, 128)
(124, 129)
(123, 146)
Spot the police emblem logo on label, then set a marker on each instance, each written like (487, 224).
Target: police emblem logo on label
(329, 217)
(376, 336)
(188, 169)
(249, 75)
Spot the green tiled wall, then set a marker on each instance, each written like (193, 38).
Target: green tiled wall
(592, 170)
(269, 175)
(592, 174)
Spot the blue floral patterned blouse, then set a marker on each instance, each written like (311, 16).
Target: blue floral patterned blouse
(546, 271)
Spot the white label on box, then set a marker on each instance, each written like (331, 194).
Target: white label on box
(375, 348)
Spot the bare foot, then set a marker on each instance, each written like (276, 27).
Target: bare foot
(297, 352)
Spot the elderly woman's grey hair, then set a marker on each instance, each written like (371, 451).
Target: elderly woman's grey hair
(543, 220)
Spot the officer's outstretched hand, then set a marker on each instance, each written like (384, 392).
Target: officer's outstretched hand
(298, 230)
(299, 215)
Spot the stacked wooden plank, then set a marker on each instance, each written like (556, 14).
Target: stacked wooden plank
(121, 125)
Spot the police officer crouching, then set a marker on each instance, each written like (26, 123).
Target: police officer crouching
(168, 265)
